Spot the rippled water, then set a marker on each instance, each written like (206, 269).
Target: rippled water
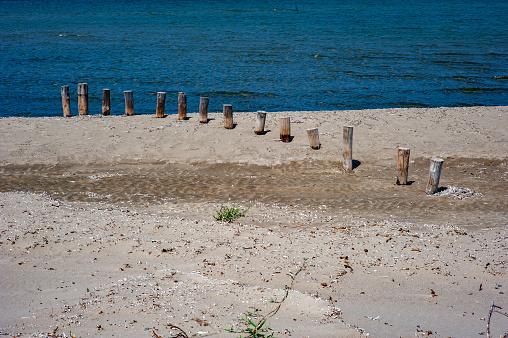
(284, 55)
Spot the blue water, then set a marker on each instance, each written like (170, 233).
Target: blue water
(254, 54)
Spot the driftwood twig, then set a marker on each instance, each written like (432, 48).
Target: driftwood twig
(493, 308)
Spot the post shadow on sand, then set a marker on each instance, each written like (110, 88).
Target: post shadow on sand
(408, 183)
(356, 164)
(208, 120)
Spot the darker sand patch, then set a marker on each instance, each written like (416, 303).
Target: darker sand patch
(369, 193)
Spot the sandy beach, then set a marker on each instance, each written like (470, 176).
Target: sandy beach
(107, 227)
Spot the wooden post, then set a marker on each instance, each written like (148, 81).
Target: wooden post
(260, 123)
(347, 154)
(129, 102)
(436, 164)
(203, 109)
(83, 98)
(314, 138)
(182, 106)
(402, 165)
(106, 102)
(66, 101)
(161, 103)
(285, 129)
(227, 109)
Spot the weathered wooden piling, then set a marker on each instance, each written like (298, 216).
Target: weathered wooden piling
(227, 110)
(182, 106)
(347, 154)
(314, 138)
(106, 102)
(285, 129)
(161, 103)
(129, 102)
(402, 165)
(83, 98)
(436, 164)
(260, 123)
(203, 109)
(66, 101)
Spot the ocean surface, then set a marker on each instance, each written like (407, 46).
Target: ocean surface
(253, 54)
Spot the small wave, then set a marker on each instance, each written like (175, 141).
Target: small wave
(73, 35)
(37, 59)
(406, 76)
(327, 91)
(406, 104)
(241, 93)
(475, 90)
(452, 54)
(372, 96)
(450, 62)
(369, 76)
(460, 77)
(463, 104)
(496, 54)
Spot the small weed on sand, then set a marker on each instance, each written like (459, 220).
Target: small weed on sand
(229, 214)
(258, 329)
(253, 329)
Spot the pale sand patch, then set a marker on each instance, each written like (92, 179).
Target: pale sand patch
(75, 266)
(438, 132)
(136, 263)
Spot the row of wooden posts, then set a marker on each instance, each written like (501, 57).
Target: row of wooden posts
(284, 123)
(129, 104)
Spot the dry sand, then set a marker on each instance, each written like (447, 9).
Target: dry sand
(106, 225)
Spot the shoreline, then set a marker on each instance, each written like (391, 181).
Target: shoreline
(106, 225)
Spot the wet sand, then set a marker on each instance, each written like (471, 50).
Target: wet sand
(108, 222)
(370, 192)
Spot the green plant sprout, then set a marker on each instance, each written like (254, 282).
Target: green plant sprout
(258, 329)
(229, 214)
(253, 329)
